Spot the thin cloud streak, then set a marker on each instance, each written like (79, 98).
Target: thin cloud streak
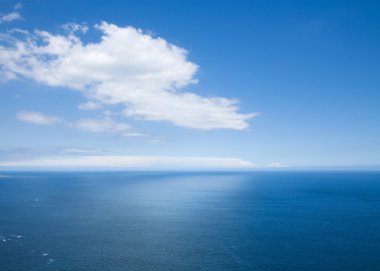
(101, 125)
(37, 118)
(276, 165)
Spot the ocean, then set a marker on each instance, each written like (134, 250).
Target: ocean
(190, 220)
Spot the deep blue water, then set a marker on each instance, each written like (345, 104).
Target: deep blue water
(190, 221)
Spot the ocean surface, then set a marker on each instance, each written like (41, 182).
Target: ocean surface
(190, 221)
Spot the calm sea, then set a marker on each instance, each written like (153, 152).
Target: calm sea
(190, 221)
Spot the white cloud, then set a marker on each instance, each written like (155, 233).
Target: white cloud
(276, 165)
(37, 118)
(90, 105)
(135, 162)
(13, 16)
(143, 73)
(135, 134)
(101, 125)
(74, 27)
(90, 125)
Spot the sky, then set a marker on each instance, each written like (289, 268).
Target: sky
(189, 84)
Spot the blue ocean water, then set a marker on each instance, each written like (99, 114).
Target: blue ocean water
(190, 221)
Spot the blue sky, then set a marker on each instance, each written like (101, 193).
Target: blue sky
(215, 84)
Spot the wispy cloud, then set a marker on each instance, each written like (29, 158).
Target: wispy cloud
(146, 137)
(74, 27)
(143, 73)
(12, 16)
(135, 134)
(90, 125)
(18, 6)
(135, 162)
(80, 150)
(23, 153)
(90, 105)
(37, 118)
(101, 125)
(276, 165)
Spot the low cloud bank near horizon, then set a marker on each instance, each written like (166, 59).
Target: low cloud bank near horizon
(144, 162)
